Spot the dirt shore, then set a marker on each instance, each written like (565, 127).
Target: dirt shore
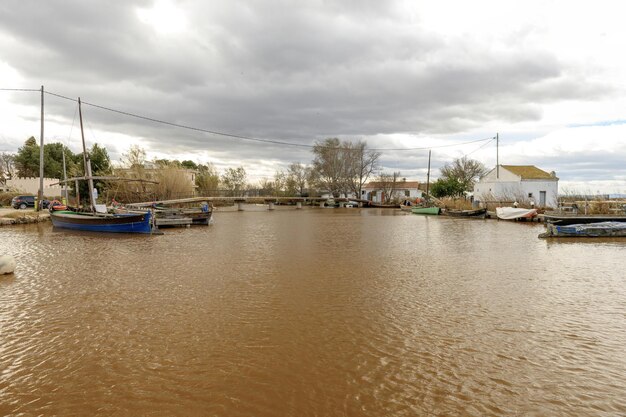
(10, 216)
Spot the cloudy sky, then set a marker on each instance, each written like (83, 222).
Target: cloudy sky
(548, 76)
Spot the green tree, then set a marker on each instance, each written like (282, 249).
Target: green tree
(53, 160)
(189, 164)
(100, 166)
(447, 187)
(27, 159)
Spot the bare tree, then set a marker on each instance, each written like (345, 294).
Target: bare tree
(465, 171)
(343, 167)
(329, 165)
(280, 182)
(135, 157)
(297, 177)
(362, 162)
(388, 184)
(7, 166)
(234, 180)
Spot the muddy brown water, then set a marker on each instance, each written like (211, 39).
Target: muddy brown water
(315, 312)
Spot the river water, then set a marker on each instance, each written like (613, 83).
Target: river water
(314, 312)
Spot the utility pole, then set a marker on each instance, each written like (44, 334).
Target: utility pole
(40, 193)
(497, 156)
(428, 177)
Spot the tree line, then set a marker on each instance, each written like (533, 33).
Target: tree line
(338, 167)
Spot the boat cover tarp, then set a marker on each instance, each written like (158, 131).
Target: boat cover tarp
(593, 229)
(512, 213)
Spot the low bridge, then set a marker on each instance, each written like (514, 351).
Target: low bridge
(269, 200)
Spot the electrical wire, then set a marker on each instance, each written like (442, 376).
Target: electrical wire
(230, 135)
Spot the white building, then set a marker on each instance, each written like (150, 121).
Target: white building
(403, 190)
(521, 183)
(30, 185)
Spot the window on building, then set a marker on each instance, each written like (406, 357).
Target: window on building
(407, 193)
(530, 195)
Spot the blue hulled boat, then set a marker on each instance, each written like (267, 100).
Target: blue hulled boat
(131, 222)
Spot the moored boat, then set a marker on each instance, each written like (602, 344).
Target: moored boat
(196, 216)
(97, 219)
(514, 213)
(131, 222)
(380, 205)
(426, 210)
(477, 213)
(599, 229)
(563, 219)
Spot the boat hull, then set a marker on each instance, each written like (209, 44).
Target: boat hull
(478, 213)
(190, 216)
(513, 213)
(116, 223)
(564, 219)
(426, 210)
(599, 229)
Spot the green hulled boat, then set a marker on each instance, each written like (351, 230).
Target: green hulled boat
(426, 210)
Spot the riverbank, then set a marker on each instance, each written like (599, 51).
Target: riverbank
(10, 216)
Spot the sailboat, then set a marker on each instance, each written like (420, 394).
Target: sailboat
(426, 208)
(97, 219)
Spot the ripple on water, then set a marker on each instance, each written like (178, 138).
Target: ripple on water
(312, 312)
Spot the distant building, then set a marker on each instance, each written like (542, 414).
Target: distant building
(30, 185)
(521, 183)
(403, 190)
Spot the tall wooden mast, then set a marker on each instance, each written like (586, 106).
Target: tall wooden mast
(86, 160)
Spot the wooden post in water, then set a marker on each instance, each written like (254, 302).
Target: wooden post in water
(40, 192)
(77, 194)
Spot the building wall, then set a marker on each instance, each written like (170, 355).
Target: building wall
(505, 175)
(30, 185)
(375, 195)
(517, 190)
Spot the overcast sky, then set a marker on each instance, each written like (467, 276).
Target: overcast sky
(548, 76)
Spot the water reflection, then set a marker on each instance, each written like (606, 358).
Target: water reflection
(313, 312)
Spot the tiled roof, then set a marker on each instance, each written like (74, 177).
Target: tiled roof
(528, 172)
(399, 184)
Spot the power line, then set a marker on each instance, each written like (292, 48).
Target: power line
(21, 89)
(480, 147)
(230, 135)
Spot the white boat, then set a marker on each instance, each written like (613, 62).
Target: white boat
(514, 213)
